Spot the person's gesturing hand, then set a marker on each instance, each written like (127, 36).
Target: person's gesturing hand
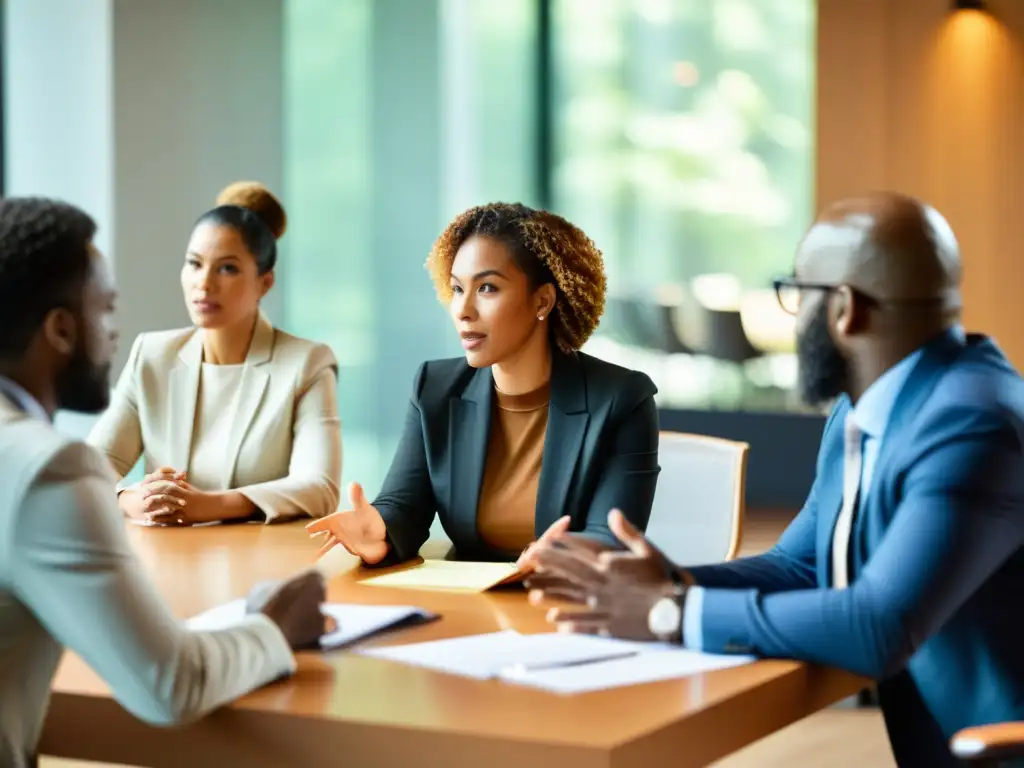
(360, 530)
(615, 589)
(526, 562)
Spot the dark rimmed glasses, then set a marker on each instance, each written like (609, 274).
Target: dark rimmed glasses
(787, 290)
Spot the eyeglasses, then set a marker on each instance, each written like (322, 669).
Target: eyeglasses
(788, 289)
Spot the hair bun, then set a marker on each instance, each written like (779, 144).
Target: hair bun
(258, 199)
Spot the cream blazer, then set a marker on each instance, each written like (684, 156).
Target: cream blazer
(69, 579)
(284, 448)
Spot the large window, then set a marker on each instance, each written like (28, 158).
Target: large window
(679, 137)
(684, 146)
(398, 115)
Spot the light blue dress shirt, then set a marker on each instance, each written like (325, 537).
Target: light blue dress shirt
(22, 399)
(871, 414)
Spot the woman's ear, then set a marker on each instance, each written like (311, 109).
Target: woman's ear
(544, 298)
(267, 282)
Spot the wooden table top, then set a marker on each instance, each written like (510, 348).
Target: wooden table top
(345, 709)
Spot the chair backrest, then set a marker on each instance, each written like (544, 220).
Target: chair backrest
(699, 505)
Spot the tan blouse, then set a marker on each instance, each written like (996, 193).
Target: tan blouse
(508, 494)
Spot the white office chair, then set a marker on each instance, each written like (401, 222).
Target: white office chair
(699, 505)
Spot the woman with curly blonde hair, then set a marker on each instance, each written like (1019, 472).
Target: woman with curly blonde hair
(525, 436)
(235, 419)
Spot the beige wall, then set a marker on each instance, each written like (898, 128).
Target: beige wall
(140, 111)
(916, 98)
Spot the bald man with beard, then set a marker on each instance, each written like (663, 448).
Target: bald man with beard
(905, 563)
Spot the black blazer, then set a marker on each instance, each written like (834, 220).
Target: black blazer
(600, 452)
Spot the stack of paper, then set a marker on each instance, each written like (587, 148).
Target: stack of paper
(647, 667)
(492, 655)
(352, 621)
(558, 662)
(449, 575)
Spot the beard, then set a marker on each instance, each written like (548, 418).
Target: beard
(823, 371)
(84, 385)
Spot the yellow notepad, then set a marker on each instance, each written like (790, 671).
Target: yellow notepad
(449, 575)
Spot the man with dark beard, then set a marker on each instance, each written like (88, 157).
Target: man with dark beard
(905, 564)
(67, 576)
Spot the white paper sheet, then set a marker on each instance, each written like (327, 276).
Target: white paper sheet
(647, 667)
(155, 524)
(507, 654)
(354, 622)
(557, 662)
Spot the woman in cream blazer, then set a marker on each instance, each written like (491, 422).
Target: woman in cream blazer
(234, 418)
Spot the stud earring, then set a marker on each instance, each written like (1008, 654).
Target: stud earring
(540, 317)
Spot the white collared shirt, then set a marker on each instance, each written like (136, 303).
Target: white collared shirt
(18, 395)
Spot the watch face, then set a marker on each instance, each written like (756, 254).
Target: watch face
(665, 617)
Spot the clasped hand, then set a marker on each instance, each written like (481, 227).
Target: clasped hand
(615, 589)
(165, 496)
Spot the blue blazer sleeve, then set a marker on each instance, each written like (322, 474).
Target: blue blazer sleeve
(961, 515)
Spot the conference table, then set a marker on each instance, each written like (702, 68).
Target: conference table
(346, 709)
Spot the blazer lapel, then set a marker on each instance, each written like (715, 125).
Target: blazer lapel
(184, 390)
(567, 426)
(469, 430)
(938, 356)
(250, 393)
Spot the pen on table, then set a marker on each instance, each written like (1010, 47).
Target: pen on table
(519, 670)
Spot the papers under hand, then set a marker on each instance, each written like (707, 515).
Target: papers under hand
(352, 622)
(557, 662)
(449, 575)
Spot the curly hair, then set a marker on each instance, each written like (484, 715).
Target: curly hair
(548, 249)
(44, 264)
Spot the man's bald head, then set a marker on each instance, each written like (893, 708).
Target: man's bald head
(890, 247)
(891, 267)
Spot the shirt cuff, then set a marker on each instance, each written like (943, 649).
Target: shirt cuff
(279, 652)
(122, 486)
(693, 623)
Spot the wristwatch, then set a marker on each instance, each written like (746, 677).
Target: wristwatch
(665, 619)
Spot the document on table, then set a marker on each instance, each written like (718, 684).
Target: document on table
(646, 667)
(157, 524)
(449, 575)
(352, 621)
(492, 654)
(557, 662)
